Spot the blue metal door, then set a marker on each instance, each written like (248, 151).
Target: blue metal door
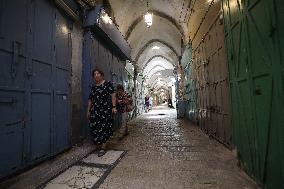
(13, 84)
(41, 81)
(62, 80)
(35, 59)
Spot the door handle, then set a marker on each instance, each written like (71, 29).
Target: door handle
(257, 91)
(8, 101)
(16, 52)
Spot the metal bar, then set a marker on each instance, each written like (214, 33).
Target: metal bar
(68, 10)
(8, 100)
(1, 18)
(15, 61)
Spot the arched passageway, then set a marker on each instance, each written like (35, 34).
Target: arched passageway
(209, 67)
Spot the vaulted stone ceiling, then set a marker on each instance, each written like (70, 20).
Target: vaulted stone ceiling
(168, 32)
(129, 13)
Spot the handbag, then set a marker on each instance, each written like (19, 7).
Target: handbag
(129, 104)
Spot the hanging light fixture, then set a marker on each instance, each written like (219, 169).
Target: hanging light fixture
(105, 17)
(148, 18)
(155, 47)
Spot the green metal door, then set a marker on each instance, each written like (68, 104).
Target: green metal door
(254, 41)
(189, 84)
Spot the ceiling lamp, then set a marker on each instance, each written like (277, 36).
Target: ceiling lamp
(148, 18)
(105, 17)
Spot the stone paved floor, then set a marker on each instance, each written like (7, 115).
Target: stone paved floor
(164, 152)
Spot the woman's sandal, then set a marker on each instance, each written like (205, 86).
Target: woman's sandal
(101, 153)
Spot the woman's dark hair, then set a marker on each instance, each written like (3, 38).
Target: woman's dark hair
(97, 70)
(119, 87)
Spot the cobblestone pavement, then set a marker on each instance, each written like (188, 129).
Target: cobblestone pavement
(164, 152)
(161, 152)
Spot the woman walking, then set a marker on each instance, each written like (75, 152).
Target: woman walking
(101, 106)
(147, 102)
(122, 101)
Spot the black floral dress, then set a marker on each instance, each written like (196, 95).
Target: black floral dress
(101, 121)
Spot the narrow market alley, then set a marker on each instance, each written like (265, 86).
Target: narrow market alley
(199, 82)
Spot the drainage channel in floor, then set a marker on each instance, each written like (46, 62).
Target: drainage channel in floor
(88, 173)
